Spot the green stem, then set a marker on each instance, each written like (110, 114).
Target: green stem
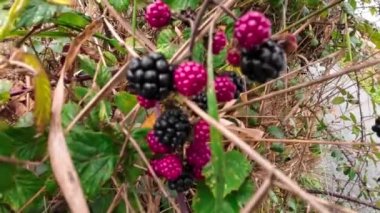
(17, 7)
(218, 160)
(348, 39)
(134, 13)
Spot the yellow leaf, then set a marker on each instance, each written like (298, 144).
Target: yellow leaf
(149, 121)
(42, 89)
(62, 2)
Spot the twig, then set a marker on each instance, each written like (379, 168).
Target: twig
(307, 84)
(332, 4)
(139, 36)
(259, 195)
(337, 143)
(197, 21)
(17, 161)
(226, 10)
(351, 199)
(150, 169)
(256, 156)
(28, 202)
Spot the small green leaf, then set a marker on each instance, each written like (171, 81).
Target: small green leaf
(37, 11)
(348, 9)
(353, 117)
(277, 147)
(176, 5)
(165, 44)
(5, 88)
(125, 101)
(237, 199)
(220, 59)
(110, 58)
(199, 52)
(87, 65)
(73, 19)
(69, 111)
(338, 100)
(236, 171)
(276, 132)
(345, 118)
(352, 3)
(95, 158)
(120, 5)
(104, 75)
(204, 201)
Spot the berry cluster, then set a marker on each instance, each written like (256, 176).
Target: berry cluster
(178, 157)
(376, 127)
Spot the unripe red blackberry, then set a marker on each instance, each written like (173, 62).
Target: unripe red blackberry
(263, 62)
(146, 103)
(172, 128)
(198, 154)
(169, 167)
(201, 132)
(237, 80)
(155, 145)
(200, 100)
(225, 88)
(190, 78)
(158, 14)
(197, 173)
(252, 29)
(219, 42)
(233, 57)
(150, 77)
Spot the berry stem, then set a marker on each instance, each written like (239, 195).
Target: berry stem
(182, 204)
(195, 26)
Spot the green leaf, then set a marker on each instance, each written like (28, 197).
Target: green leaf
(373, 10)
(5, 88)
(220, 59)
(6, 144)
(87, 64)
(352, 3)
(110, 58)
(120, 5)
(176, 5)
(125, 102)
(277, 147)
(42, 105)
(165, 44)
(7, 172)
(237, 199)
(95, 158)
(26, 120)
(276, 3)
(204, 201)
(72, 19)
(26, 184)
(348, 9)
(276, 132)
(69, 111)
(37, 11)
(199, 52)
(104, 75)
(353, 117)
(236, 171)
(338, 100)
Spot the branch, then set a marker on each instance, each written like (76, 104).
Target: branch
(196, 24)
(306, 84)
(351, 199)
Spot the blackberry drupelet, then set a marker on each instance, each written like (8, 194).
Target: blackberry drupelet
(237, 80)
(201, 100)
(183, 182)
(150, 77)
(172, 128)
(263, 62)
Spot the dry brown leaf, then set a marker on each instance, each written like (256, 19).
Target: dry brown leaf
(61, 162)
(149, 121)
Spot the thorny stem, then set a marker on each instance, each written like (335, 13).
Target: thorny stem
(197, 21)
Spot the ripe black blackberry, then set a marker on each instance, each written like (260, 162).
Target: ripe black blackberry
(201, 100)
(263, 62)
(376, 127)
(237, 80)
(172, 128)
(183, 182)
(150, 77)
